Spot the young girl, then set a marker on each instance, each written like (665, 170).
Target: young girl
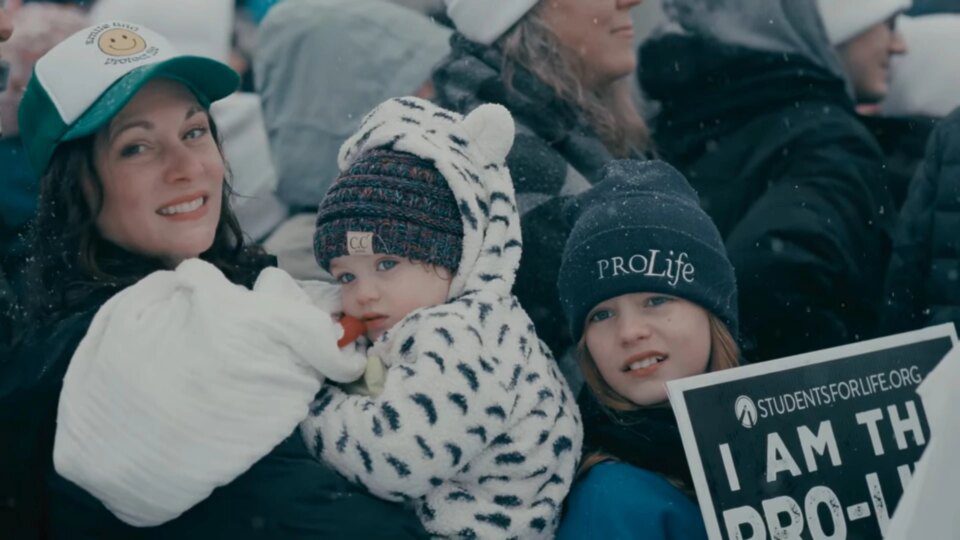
(650, 296)
(474, 426)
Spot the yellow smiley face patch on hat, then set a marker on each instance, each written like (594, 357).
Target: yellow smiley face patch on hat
(121, 42)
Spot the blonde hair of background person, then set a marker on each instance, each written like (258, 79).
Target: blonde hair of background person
(607, 106)
(564, 70)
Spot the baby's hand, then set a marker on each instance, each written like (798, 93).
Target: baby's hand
(352, 329)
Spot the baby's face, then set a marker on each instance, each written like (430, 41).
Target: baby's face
(382, 289)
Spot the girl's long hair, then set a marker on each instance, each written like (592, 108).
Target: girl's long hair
(69, 257)
(724, 354)
(532, 45)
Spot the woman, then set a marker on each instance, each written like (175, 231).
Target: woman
(561, 67)
(134, 181)
(649, 299)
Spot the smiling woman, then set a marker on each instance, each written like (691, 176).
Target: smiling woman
(134, 182)
(160, 174)
(133, 175)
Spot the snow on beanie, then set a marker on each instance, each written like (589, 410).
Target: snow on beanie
(641, 229)
(846, 19)
(184, 380)
(484, 21)
(392, 203)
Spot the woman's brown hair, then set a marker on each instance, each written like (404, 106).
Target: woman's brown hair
(532, 45)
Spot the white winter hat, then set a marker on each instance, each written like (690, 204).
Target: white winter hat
(484, 21)
(846, 19)
(183, 381)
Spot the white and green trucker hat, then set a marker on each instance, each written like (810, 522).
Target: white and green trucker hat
(80, 84)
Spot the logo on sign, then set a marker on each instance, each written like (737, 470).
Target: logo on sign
(359, 243)
(746, 411)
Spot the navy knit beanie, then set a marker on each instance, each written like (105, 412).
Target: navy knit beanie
(641, 229)
(392, 203)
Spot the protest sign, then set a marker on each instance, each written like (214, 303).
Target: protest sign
(816, 446)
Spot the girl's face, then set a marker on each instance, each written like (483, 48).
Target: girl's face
(600, 32)
(162, 175)
(640, 341)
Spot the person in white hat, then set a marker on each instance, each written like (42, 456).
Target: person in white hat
(866, 38)
(563, 68)
(152, 387)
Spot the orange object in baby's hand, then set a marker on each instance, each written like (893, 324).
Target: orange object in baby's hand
(352, 329)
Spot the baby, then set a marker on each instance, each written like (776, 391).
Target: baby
(474, 425)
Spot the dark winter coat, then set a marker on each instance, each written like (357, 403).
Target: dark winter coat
(923, 282)
(790, 176)
(287, 494)
(903, 140)
(554, 155)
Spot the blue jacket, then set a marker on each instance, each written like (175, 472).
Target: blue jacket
(619, 501)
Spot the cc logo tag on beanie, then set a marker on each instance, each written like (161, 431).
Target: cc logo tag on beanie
(359, 243)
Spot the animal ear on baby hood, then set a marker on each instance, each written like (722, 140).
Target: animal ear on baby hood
(641, 229)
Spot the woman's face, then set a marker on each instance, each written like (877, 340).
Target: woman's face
(639, 341)
(162, 175)
(600, 32)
